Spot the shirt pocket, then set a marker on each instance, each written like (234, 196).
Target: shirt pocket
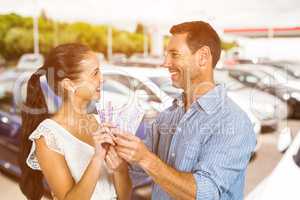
(190, 156)
(194, 137)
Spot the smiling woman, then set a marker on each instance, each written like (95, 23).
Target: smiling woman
(66, 147)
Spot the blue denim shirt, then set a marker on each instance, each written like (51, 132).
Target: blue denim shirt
(213, 140)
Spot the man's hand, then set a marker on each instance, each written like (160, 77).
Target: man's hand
(130, 148)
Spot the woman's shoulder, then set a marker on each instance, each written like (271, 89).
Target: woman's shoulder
(46, 130)
(45, 127)
(51, 134)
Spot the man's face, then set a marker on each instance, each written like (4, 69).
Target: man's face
(180, 61)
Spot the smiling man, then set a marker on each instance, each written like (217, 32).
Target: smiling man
(198, 148)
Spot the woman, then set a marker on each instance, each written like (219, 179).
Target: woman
(68, 146)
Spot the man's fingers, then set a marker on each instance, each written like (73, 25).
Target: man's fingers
(124, 156)
(123, 142)
(127, 136)
(123, 150)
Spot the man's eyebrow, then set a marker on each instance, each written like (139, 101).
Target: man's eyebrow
(173, 50)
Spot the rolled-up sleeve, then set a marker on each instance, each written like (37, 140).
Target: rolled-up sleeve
(223, 160)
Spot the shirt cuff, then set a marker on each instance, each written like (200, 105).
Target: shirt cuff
(206, 188)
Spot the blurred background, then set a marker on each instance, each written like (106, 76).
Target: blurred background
(260, 66)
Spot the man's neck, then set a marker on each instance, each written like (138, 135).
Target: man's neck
(195, 91)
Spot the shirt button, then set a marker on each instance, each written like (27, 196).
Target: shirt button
(173, 155)
(178, 129)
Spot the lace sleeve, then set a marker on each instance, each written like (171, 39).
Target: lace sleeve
(52, 140)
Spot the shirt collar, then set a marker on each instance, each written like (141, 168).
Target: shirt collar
(213, 99)
(209, 102)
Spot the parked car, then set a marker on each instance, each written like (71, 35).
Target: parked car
(119, 59)
(266, 107)
(267, 82)
(30, 62)
(283, 182)
(292, 68)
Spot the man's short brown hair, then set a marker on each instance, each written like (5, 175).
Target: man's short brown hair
(200, 34)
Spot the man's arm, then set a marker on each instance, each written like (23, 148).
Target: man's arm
(179, 185)
(223, 160)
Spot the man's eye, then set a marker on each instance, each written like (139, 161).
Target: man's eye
(175, 55)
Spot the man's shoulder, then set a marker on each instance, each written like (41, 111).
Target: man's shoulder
(232, 118)
(233, 110)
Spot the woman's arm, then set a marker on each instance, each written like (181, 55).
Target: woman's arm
(58, 176)
(121, 176)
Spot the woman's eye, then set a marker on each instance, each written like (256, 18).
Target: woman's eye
(96, 73)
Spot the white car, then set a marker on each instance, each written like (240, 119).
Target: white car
(30, 62)
(283, 182)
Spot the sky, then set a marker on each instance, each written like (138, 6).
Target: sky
(163, 13)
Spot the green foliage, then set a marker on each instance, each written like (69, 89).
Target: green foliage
(228, 45)
(16, 36)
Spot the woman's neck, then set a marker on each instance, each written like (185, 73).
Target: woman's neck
(71, 111)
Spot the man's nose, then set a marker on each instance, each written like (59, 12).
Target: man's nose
(166, 63)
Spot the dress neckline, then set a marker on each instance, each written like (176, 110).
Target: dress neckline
(69, 134)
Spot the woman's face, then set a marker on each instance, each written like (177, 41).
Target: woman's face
(88, 86)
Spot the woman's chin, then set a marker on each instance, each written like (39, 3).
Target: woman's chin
(96, 96)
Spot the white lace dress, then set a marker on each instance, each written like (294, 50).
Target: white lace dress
(76, 153)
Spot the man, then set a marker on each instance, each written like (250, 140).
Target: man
(198, 148)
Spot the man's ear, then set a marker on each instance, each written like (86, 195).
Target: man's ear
(203, 56)
(67, 84)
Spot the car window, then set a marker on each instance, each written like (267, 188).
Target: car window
(124, 85)
(251, 79)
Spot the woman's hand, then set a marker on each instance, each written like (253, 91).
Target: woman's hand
(102, 140)
(114, 162)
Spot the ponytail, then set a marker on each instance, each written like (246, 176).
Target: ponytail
(31, 182)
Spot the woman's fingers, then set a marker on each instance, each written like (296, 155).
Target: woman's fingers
(107, 125)
(104, 138)
(109, 161)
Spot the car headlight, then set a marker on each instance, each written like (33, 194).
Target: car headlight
(4, 120)
(286, 96)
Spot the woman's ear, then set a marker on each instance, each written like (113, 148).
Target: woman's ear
(203, 55)
(67, 84)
